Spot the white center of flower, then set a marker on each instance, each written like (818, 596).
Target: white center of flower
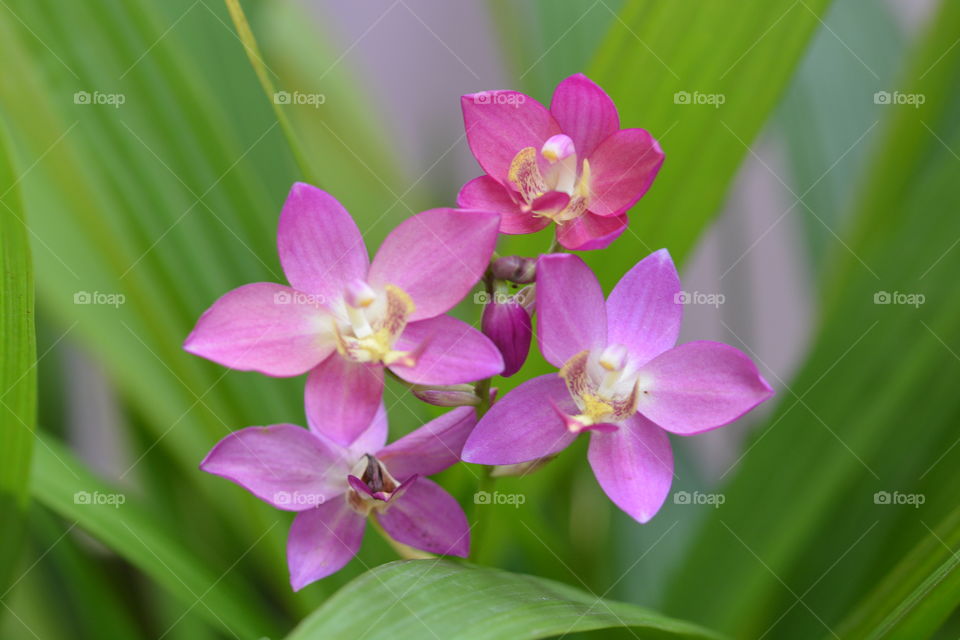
(552, 182)
(369, 322)
(605, 385)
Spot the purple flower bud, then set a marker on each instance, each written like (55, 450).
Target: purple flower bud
(507, 323)
(515, 269)
(457, 395)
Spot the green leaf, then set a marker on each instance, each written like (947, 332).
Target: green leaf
(917, 596)
(18, 377)
(439, 598)
(117, 519)
(249, 42)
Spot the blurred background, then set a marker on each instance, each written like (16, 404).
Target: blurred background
(809, 195)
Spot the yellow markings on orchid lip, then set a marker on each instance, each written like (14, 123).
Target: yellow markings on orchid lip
(595, 408)
(525, 175)
(400, 306)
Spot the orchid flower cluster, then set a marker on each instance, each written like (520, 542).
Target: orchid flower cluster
(347, 321)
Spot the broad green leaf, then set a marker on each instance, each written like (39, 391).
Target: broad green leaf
(116, 518)
(917, 596)
(806, 529)
(443, 599)
(18, 377)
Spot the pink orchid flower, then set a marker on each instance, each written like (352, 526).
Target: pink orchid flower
(344, 318)
(572, 165)
(621, 377)
(335, 488)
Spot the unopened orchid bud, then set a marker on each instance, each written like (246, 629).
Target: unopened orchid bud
(457, 395)
(515, 269)
(507, 323)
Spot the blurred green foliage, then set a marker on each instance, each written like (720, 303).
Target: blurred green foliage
(172, 199)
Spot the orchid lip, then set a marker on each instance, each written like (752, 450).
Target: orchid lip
(604, 384)
(371, 486)
(371, 321)
(565, 174)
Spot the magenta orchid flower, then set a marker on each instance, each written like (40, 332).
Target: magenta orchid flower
(335, 488)
(571, 164)
(345, 319)
(621, 377)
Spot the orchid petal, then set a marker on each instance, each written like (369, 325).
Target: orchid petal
(342, 398)
(372, 439)
(431, 448)
(486, 194)
(501, 123)
(436, 257)
(643, 312)
(570, 308)
(321, 249)
(585, 113)
(283, 465)
(622, 169)
(322, 540)
(446, 351)
(426, 517)
(700, 386)
(634, 466)
(524, 425)
(589, 232)
(263, 327)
